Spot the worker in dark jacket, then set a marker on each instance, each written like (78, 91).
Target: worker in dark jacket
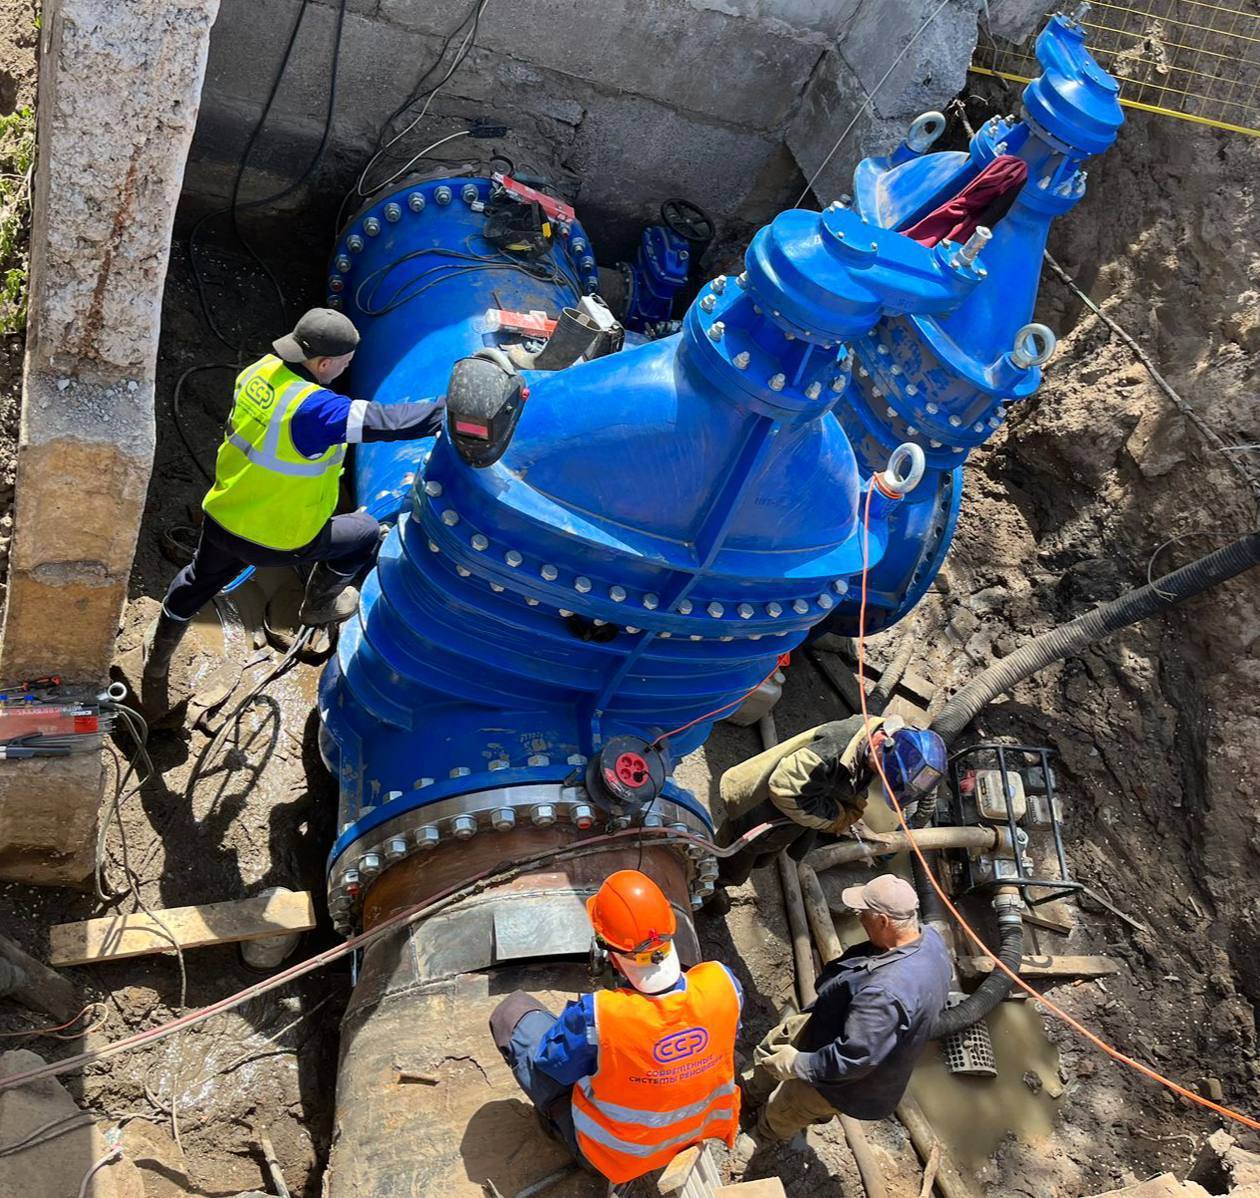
(853, 1050)
(819, 780)
(277, 481)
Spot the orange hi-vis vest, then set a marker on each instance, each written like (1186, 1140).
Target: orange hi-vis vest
(666, 1074)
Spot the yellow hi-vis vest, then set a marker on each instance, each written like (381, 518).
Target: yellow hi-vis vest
(264, 490)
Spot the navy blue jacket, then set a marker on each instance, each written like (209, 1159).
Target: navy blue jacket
(870, 1022)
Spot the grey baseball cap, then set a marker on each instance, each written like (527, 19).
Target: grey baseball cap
(320, 333)
(887, 894)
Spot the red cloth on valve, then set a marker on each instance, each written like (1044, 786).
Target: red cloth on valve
(984, 201)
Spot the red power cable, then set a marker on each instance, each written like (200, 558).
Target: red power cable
(784, 659)
(1114, 1053)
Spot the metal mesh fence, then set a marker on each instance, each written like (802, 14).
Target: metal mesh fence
(1191, 59)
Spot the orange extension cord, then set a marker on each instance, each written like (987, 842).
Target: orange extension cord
(1058, 1012)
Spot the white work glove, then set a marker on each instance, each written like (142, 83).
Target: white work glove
(781, 1064)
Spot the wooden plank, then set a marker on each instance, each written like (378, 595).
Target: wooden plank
(678, 1170)
(916, 688)
(1053, 916)
(1046, 967)
(37, 986)
(766, 1187)
(115, 936)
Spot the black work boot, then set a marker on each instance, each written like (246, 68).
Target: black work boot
(329, 597)
(161, 639)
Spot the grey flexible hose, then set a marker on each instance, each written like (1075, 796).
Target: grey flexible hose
(1163, 593)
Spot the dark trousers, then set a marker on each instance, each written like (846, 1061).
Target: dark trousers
(794, 839)
(346, 543)
(518, 1026)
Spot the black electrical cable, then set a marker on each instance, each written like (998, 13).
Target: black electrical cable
(235, 207)
(177, 414)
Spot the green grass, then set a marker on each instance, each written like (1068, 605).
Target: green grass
(17, 154)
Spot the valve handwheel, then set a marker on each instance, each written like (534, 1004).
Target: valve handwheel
(690, 221)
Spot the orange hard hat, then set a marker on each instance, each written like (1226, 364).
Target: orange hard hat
(630, 913)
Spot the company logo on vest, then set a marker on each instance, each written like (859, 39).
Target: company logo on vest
(679, 1045)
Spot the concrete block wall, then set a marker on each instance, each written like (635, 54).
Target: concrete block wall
(118, 92)
(725, 102)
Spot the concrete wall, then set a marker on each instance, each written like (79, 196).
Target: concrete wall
(118, 92)
(714, 100)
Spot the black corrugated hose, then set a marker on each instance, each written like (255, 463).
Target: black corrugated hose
(1165, 592)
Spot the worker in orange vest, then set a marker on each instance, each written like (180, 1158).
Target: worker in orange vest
(627, 1078)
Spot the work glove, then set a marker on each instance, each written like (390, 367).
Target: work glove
(781, 1064)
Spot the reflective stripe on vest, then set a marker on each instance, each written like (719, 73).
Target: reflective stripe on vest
(265, 490)
(629, 1114)
(666, 1074)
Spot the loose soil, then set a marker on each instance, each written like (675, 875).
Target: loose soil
(1155, 730)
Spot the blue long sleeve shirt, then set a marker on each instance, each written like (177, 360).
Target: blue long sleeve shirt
(870, 1022)
(327, 418)
(569, 1050)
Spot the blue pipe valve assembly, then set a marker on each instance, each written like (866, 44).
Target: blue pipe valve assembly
(664, 522)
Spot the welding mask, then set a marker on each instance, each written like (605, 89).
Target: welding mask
(914, 763)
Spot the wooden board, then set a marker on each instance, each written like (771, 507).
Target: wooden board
(116, 936)
(766, 1187)
(1046, 967)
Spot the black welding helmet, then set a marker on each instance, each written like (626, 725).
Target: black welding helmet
(484, 399)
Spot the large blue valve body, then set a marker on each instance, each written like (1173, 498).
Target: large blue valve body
(669, 519)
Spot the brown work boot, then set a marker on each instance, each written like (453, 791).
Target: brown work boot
(329, 599)
(161, 639)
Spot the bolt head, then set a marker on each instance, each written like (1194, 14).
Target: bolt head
(513, 558)
(464, 827)
(715, 609)
(428, 837)
(343, 263)
(393, 213)
(433, 488)
(503, 819)
(395, 849)
(443, 195)
(583, 816)
(933, 408)
(500, 763)
(774, 610)
(955, 421)
(434, 547)
(800, 606)
(543, 815)
(371, 226)
(813, 391)
(708, 303)
(891, 413)
(480, 542)
(582, 583)
(415, 201)
(460, 771)
(716, 329)
(450, 517)
(617, 593)
(745, 611)
(468, 193)
(651, 602)
(531, 602)
(549, 572)
(719, 284)
(575, 759)
(463, 571)
(685, 608)
(369, 863)
(742, 280)
(826, 602)
(741, 360)
(837, 383)
(538, 759)
(777, 382)
(840, 586)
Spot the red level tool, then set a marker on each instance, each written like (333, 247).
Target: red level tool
(556, 210)
(532, 324)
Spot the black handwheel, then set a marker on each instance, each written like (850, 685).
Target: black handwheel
(690, 221)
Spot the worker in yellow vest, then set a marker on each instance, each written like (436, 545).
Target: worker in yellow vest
(277, 481)
(628, 1078)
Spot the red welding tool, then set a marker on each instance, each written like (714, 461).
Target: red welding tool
(531, 324)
